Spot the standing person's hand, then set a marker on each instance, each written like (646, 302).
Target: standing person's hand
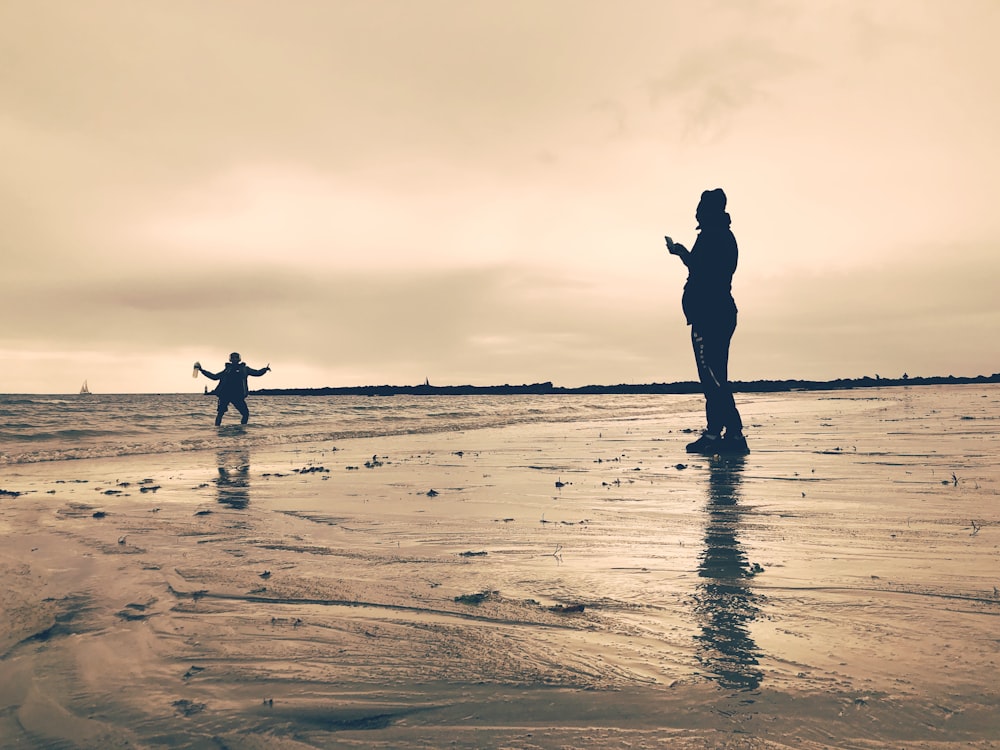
(675, 248)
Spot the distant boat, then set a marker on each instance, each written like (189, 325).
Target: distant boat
(84, 390)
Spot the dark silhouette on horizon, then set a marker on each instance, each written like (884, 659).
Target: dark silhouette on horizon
(711, 312)
(676, 388)
(232, 387)
(725, 605)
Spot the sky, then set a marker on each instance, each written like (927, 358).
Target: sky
(381, 191)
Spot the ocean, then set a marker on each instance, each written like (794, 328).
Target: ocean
(36, 428)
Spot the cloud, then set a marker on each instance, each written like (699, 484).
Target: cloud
(921, 312)
(477, 324)
(470, 192)
(711, 86)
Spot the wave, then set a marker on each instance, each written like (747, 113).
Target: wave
(224, 437)
(32, 437)
(17, 401)
(160, 425)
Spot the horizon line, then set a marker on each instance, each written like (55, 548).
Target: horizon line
(542, 387)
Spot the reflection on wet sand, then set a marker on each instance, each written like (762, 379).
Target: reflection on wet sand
(724, 602)
(233, 481)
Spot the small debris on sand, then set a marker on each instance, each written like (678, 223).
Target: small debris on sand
(188, 708)
(478, 598)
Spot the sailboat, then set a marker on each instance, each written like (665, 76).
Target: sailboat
(84, 390)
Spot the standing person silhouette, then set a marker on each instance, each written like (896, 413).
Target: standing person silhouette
(232, 388)
(711, 312)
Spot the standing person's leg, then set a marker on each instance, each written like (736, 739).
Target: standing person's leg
(711, 351)
(724, 405)
(711, 345)
(701, 342)
(241, 407)
(723, 412)
(710, 439)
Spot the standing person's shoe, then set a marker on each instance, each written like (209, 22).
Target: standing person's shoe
(707, 444)
(735, 445)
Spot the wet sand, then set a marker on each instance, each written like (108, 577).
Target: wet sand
(546, 585)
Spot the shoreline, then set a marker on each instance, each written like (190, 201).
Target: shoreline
(534, 585)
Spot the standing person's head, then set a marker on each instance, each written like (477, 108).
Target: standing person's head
(234, 358)
(711, 211)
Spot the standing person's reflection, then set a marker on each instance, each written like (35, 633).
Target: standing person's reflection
(233, 481)
(724, 602)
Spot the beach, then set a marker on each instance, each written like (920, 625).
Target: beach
(556, 583)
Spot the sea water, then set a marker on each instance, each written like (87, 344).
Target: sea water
(37, 428)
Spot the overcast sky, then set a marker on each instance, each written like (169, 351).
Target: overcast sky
(476, 192)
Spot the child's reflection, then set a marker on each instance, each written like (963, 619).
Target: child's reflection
(233, 481)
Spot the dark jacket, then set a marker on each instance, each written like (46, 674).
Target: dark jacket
(233, 380)
(708, 298)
